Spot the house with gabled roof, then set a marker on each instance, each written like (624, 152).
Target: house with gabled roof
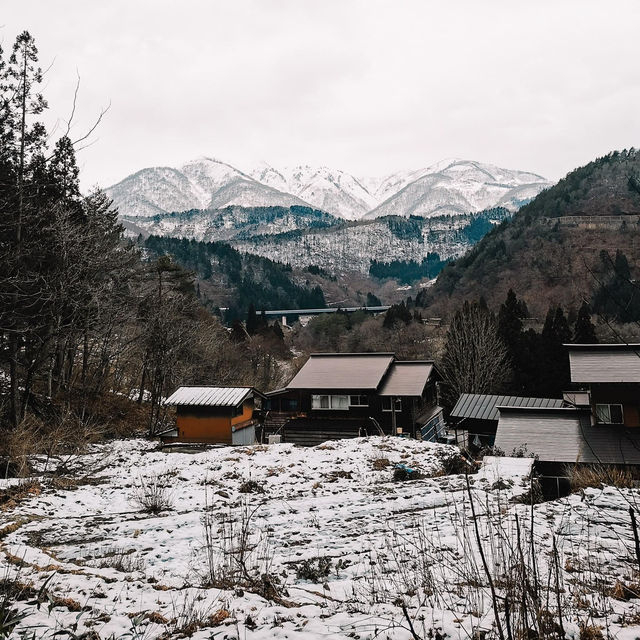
(599, 423)
(339, 395)
(610, 376)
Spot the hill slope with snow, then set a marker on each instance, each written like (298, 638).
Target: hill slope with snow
(310, 543)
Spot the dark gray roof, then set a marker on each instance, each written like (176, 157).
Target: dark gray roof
(407, 378)
(604, 362)
(566, 435)
(335, 371)
(479, 406)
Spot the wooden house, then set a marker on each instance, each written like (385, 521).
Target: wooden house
(475, 415)
(223, 415)
(598, 424)
(341, 395)
(610, 375)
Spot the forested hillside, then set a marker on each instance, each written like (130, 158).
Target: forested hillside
(572, 243)
(246, 279)
(228, 223)
(353, 246)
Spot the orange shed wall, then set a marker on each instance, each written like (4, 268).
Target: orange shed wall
(198, 426)
(247, 412)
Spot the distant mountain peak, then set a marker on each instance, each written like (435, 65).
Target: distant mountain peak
(451, 186)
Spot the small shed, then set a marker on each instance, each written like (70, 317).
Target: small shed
(222, 415)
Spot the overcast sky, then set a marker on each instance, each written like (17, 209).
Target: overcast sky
(363, 85)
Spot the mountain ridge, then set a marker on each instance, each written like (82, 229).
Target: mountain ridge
(452, 186)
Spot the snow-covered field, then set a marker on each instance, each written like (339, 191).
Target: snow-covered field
(286, 542)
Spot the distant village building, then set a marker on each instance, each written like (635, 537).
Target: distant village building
(223, 415)
(343, 395)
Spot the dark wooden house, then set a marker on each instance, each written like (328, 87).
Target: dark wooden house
(599, 424)
(610, 375)
(346, 395)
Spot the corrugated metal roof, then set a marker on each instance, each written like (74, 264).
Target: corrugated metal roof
(479, 406)
(209, 396)
(406, 379)
(604, 363)
(342, 371)
(566, 435)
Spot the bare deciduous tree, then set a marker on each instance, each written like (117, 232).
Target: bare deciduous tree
(475, 359)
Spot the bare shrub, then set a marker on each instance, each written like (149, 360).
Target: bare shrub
(120, 559)
(239, 553)
(251, 486)
(15, 494)
(596, 476)
(152, 495)
(314, 569)
(456, 464)
(379, 464)
(189, 615)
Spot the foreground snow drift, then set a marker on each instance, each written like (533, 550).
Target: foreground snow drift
(287, 542)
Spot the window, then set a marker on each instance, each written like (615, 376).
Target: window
(386, 404)
(609, 414)
(337, 403)
(358, 401)
(320, 402)
(289, 405)
(340, 403)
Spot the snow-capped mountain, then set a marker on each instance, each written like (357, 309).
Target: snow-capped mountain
(331, 190)
(454, 187)
(204, 183)
(451, 187)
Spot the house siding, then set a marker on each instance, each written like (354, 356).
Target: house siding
(604, 365)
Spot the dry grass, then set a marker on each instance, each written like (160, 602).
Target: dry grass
(11, 497)
(584, 477)
(379, 464)
(152, 495)
(590, 632)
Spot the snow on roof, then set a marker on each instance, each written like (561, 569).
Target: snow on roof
(407, 378)
(342, 371)
(209, 396)
(496, 468)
